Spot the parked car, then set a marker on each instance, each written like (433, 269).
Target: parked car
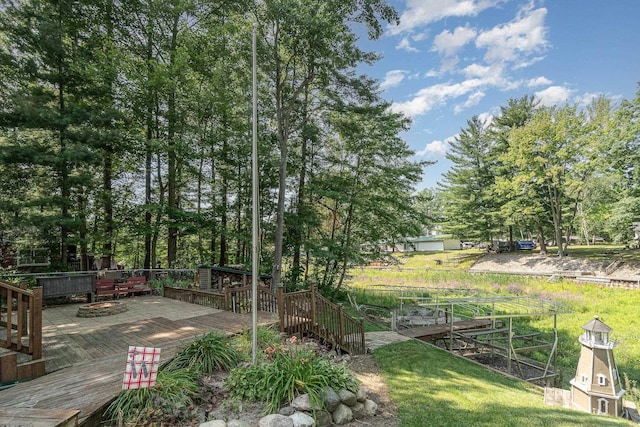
(467, 245)
(525, 245)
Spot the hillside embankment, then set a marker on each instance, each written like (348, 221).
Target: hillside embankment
(536, 264)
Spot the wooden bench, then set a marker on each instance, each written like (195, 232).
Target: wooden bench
(105, 288)
(133, 286)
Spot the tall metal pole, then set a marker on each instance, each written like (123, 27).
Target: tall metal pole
(255, 269)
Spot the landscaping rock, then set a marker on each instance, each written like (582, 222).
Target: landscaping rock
(302, 403)
(275, 420)
(286, 410)
(238, 423)
(347, 397)
(330, 399)
(358, 410)
(214, 423)
(362, 393)
(300, 419)
(323, 419)
(370, 408)
(342, 414)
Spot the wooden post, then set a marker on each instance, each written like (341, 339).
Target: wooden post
(509, 345)
(9, 316)
(451, 330)
(312, 288)
(35, 334)
(362, 343)
(20, 325)
(340, 325)
(227, 301)
(281, 307)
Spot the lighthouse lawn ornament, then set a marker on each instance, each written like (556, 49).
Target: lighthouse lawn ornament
(596, 387)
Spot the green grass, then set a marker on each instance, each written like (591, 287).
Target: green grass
(618, 308)
(459, 388)
(434, 388)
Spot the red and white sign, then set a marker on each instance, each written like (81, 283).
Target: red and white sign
(142, 367)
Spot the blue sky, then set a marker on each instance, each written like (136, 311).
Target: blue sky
(449, 60)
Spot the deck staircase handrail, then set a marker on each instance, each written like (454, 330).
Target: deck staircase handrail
(308, 311)
(299, 312)
(25, 306)
(613, 266)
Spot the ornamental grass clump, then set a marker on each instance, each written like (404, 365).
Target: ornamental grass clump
(169, 399)
(213, 352)
(288, 371)
(267, 337)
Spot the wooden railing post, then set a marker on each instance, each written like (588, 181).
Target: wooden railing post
(313, 303)
(35, 332)
(340, 325)
(281, 306)
(227, 298)
(9, 317)
(361, 332)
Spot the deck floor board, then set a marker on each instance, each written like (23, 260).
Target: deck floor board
(86, 357)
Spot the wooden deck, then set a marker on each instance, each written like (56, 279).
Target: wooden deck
(433, 332)
(86, 357)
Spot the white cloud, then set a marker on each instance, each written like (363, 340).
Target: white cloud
(436, 148)
(393, 78)
(525, 35)
(588, 98)
(406, 45)
(420, 12)
(539, 81)
(473, 99)
(448, 43)
(553, 95)
(487, 116)
(428, 98)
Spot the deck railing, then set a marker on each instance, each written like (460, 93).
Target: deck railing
(21, 318)
(193, 296)
(309, 311)
(299, 312)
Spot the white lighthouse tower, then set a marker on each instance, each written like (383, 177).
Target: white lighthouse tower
(596, 387)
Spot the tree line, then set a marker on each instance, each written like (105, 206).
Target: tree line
(552, 174)
(125, 132)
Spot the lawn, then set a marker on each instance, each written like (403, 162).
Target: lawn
(434, 388)
(457, 392)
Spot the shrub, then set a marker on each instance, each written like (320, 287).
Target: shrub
(267, 338)
(206, 355)
(288, 372)
(169, 398)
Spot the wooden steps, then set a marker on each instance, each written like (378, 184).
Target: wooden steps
(39, 417)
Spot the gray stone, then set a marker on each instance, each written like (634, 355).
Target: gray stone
(302, 403)
(301, 419)
(358, 410)
(347, 397)
(238, 423)
(275, 420)
(286, 410)
(214, 423)
(323, 419)
(370, 408)
(342, 414)
(362, 393)
(330, 399)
